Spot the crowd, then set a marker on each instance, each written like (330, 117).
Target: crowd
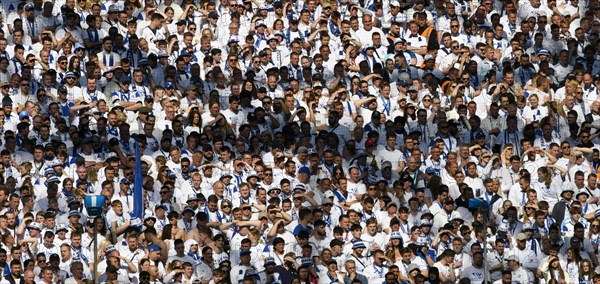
(321, 142)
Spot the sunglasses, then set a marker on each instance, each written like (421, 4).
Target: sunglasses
(164, 192)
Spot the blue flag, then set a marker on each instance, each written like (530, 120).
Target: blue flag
(138, 195)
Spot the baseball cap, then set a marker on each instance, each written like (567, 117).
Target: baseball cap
(404, 79)
(304, 170)
(192, 197)
(153, 248)
(35, 226)
(23, 114)
(369, 143)
(543, 52)
(512, 257)
(269, 260)
(114, 9)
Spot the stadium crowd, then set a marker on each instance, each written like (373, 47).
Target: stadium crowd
(350, 141)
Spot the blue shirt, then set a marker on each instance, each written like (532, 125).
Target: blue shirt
(299, 228)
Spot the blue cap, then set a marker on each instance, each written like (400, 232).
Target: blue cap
(245, 252)
(304, 170)
(185, 52)
(358, 244)
(109, 249)
(125, 181)
(187, 209)
(49, 171)
(543, 52)
(70, 75)
(153, 248)
(269, 260)
(168, 84)
(226, 174)
(79, 46)
(23, 114)
(72, 201)
(300, 187)
(74, 213)
(171, 174)
(395, 235)
(52, 179)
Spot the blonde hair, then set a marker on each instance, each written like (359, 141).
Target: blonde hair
(92, 174)
(527, 217)
(27, 166)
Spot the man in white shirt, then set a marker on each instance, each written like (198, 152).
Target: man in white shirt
(519, 274)
(365, 33)
(475, 272)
